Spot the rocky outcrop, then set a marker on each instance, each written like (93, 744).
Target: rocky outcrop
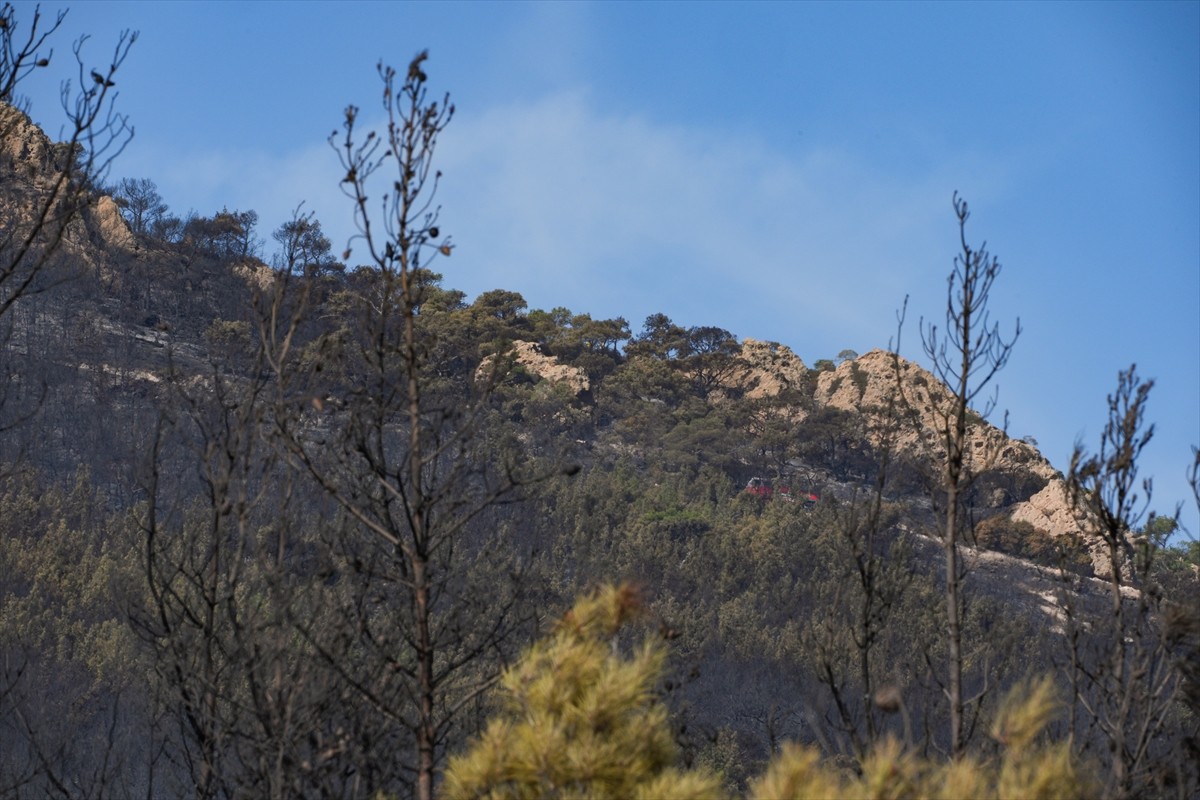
(877, 381)
(1017, 478)
(32, 166)
(548, 368)
(1052, 512)
(869, 382)
(23, 146)
(768, 369)
(111, 227)
(873, 382)
(257, 275)
(1049, 510)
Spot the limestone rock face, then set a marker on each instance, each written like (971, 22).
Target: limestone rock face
(1052, 512)
(1049, 510)
(26, 156)
(114, 231)
(23, 144)
(768, 368)
(548, 368)
(864, 386)
(256, 274)
(867, 384)
(30, 165)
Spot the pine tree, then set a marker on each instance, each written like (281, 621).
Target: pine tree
(580, 718)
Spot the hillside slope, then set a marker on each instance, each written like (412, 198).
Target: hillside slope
(152, 405)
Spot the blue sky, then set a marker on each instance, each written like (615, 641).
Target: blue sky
(783, 170)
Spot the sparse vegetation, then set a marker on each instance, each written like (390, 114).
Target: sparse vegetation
(579, 717)
(333, 500)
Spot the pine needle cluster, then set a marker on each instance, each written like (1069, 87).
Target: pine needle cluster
(580, 719)
(1026, 770)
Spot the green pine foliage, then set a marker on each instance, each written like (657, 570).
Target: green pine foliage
(580, 718)
(65, 568)
(1027, 768)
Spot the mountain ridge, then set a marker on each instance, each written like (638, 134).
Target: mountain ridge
(186, 422)
(101, 238)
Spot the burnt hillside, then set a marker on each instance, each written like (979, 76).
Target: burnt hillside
(214, 529)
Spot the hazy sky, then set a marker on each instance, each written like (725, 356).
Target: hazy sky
(783, 170)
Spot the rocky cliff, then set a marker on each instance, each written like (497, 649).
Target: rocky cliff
(43, 188)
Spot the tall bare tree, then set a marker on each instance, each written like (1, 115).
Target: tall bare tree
(397, 439)
(1128, 668)
(231, 590)
(876, 572)
(965, 356)
(46, 185)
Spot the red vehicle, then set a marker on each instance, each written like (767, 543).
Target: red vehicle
(763, 489)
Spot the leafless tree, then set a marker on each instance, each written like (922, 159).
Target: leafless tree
(351, 677)
(46, 186)
(877, 572)
(965, 356)
(57, 182)
(402, 446)
(230, 603)
(1128, 668)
